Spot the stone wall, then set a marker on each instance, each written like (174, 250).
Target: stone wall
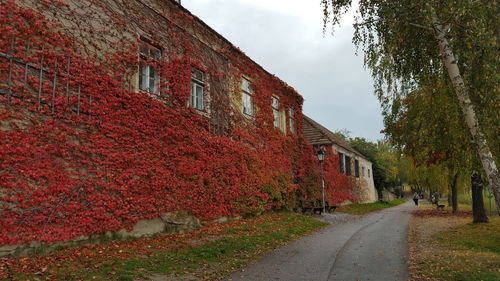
(168, 223)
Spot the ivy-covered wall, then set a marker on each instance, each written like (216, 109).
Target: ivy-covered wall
(84, 151)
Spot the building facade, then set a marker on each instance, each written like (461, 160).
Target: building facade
(119, 111)
(351, 163)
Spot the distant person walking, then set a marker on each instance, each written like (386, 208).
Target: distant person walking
(416, 196)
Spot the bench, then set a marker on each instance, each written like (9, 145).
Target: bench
(439, 206)
(316, 206)
(330, 209)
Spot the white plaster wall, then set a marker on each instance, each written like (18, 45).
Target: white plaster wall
(365, 187)
(369, 186)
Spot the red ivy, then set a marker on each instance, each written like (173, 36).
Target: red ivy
(128, 156)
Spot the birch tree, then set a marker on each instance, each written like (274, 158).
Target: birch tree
(433, 134)
(408, 43)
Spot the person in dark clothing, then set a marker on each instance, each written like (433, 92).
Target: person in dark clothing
(416, 196)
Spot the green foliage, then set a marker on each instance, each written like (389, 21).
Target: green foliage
(401, 50)
(385, 159)
(344, 134)
(361, 209)
(432, 178)
(421, 112)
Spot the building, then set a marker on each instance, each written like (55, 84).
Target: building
(351, 162)
(119, 111)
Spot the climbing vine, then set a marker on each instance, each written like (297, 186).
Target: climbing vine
(83, 152)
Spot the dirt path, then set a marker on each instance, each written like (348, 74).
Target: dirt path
(373, 247)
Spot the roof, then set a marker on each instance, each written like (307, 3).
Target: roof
(316, 134)
(235, 48)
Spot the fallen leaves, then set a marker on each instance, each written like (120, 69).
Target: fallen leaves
(440, 213)
(440, 249)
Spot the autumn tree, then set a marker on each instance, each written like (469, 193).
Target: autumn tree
(408, 44)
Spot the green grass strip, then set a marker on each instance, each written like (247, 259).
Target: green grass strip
(361, 209)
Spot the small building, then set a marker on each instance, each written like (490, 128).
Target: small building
(351, 163)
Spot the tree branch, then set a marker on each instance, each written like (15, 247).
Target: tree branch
(420, 26)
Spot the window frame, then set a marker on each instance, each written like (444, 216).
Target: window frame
(247, 97)
(291, 119)
(196, 83)
(275, 105)
(347, 163)
(147, 63)
(341, 163)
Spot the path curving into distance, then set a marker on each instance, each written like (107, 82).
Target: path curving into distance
(371, 248)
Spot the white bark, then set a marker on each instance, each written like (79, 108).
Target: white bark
(487, 159)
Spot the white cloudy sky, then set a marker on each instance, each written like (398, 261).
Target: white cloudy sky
(286, 38)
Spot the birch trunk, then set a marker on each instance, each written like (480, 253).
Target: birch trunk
(483, 149)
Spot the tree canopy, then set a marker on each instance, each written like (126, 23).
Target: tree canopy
(415, 48)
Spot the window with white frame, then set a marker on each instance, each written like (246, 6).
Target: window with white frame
(291, 120)
(247, 97)
(196, 99)
(149, 78)
(276, 111)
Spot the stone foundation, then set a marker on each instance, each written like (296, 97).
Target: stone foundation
(179, 222)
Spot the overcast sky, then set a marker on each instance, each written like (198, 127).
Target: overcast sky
(286, 38)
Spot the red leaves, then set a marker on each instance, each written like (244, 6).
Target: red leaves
(64, 175)
(440, 213)
(127, 156)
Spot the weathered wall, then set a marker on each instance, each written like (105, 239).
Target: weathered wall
(363, 190)
(83, 152)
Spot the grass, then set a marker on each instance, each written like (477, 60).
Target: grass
(208, 254)
(361, 209)
(464, 252)
(483, 237)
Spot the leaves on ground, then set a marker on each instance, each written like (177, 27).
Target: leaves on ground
(207, 254)
(441, 213)
(445, 248)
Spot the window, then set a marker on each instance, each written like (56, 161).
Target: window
(368, 172)
(356, 168)
(347, 165)
(197, 86)
(247, 99)
(341, 162)
(363, 171)
(291, 113)
(149, 79)
(276, 112)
